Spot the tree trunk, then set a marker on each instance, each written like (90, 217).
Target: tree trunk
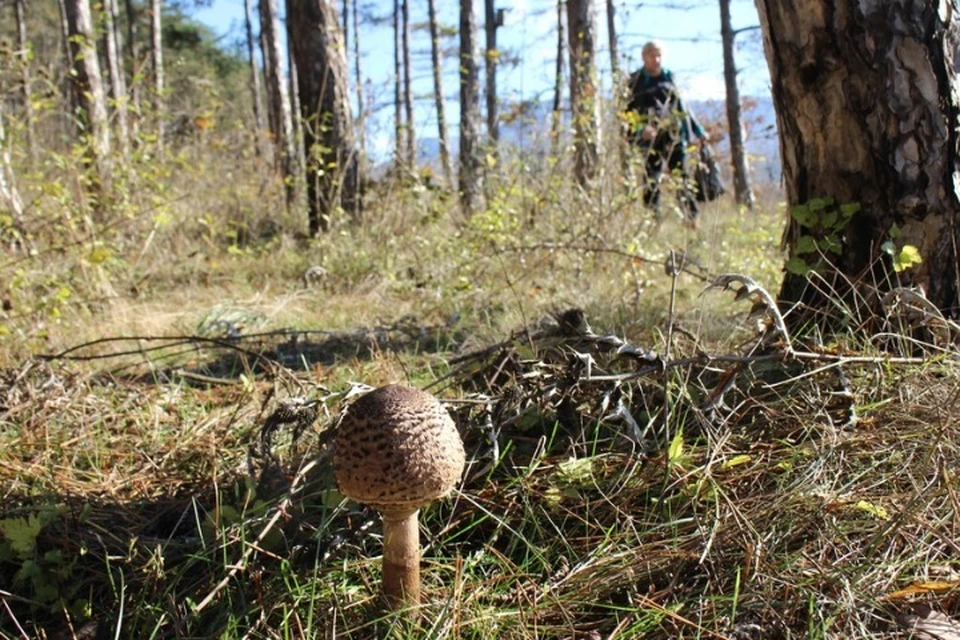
(397, 92)
(437, 64)
(556, 114)
(296, 111)
(867, 108)
(407, 91)
(738, 156)
(133, 50)
(361, 114)
(584, 103)
(118, 84)
(23, 49)
(88, 86)
(279, 96)
(469, 111)
(9, 194)
(491, 59)
(70, 97)
(156, 56)
(256, 93)
(322, 70)
(612, 41)
(273, 118)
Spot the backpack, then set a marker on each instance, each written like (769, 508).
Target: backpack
(707, 176)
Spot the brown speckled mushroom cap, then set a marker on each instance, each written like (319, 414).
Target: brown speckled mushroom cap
(397, 449)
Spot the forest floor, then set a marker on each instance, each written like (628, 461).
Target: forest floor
(646, 457)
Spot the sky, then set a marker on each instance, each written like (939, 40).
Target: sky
(689, 30)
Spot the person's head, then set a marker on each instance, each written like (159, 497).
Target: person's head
(652, 54)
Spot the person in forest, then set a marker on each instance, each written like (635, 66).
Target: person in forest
(661, 126)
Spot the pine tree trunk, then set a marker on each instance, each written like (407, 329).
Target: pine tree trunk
(738, 157)
(23, 50)
(273, 117)
(584, 102)
(490, 60)
(296, 112)
(407, 87)
(118, 85)
(279, 96)
(133, 50)
(612, 42)
(469, 111)
(556, 115)
(156, 56)
(256, 93)
(88, 86)
(437, 64)
(316, 42)
(397, 91)
(868, 113)
(361, 113)
(69, 95)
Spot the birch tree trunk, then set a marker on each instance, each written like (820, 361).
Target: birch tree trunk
(584, 102)
(469, 111)
(156, 56)
(407, 89)
(256, 93)
(332, 173)
(24, 53)
(868, 109)
(437, 64)
(738, 157)
(88, 87)
(556, 115)
(118, 85)
(279, 96)
(491, 58)
(9, 193)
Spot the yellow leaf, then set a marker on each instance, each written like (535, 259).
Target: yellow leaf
(918, 588)
(736, 461)
(875, 510)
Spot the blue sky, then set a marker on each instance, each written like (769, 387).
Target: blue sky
(690, 30)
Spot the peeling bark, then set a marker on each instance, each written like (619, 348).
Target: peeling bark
(867, 105)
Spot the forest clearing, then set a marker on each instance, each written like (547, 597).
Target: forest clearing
(731, 416)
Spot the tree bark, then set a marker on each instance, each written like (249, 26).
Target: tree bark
(584, 102)
(867, 105)
(118, 84)
(397, 91)
(469, 111)
(407, 90)
(437, 64)
(133, 50)
(279, 96)
(256, 93)
(9, 194)
(88, 87)
(556, 115)
(612, 41)
(738, 157)
(361, 113)
(69, 95)
(24, 53)
(296, 111)
(332, 172)
(156, 56)
(491, 59)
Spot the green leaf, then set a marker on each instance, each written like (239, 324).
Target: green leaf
(22, 534)
(847, 210)
(675, 452)
(99, 255)
(830, 219)
(803, 215)
(894, 232)
(832, 243)
(805, 244)
(819, 204)
(907, 257)
(576, 471)
(737, 460)
(797, 266)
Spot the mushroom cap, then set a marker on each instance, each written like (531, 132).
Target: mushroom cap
(397, 449)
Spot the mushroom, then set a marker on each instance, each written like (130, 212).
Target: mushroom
(397, 450)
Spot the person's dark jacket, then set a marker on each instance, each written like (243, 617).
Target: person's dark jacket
(657, 101)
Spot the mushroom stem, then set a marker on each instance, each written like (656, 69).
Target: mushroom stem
(401, 558)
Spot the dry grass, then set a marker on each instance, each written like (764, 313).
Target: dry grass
(757, 496)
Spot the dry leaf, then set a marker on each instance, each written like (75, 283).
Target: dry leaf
(927, 624)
